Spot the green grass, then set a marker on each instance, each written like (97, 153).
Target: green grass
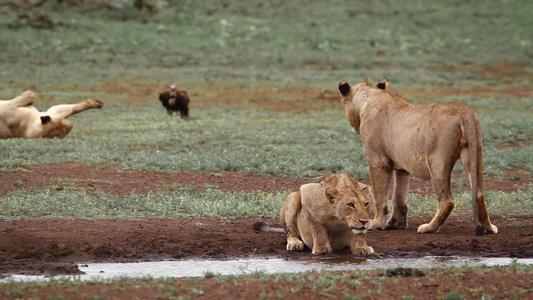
(252, 141)
(213, 202)
(202, 44)
(181, 203)
(498, 203)
(267, 41)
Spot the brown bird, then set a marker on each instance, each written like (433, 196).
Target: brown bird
(175, 100)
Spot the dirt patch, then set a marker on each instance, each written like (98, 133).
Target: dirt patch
(239, 96)
(505, 70)
(114, 179)
(294, 98)
(55, 246)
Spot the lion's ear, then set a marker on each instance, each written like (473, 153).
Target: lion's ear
(331, 193)
(344, 88)
(45, 119)
(382, 85)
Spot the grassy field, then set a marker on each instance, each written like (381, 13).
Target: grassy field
(249, 140)
(425, 49)
(280, 42)
(213, 202)
(213, 46)
(289, 144)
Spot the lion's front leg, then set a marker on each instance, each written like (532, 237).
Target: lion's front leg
(359, 246)
(67, 110)
(398, 218)
(321, 244)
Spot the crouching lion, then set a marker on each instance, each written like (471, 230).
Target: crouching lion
(426, 141)
(327, 216)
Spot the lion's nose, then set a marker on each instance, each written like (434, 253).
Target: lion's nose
(363, 222)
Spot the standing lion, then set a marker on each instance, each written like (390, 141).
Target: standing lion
(426, 141)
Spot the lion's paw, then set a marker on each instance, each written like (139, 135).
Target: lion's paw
(28, 98)
(95, 103)
(426, 228)
(481, 230)
(377, 224)
(320, 251)
(397, 223)
(365, 250)
(295, 245)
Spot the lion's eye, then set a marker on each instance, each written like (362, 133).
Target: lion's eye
(351, 205)
(367, 204)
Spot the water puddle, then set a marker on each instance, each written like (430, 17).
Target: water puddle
(198, 268)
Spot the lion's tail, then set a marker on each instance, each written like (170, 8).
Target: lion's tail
(474, 166)
(263, 226)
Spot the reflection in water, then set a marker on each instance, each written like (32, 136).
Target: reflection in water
(196, 268)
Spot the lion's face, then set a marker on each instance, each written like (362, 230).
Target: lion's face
(352, 206)
(55, 127)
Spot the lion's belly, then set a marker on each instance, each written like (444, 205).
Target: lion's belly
(415, 167)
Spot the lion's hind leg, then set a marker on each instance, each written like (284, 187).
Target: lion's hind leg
(289, 221)
(440, 178)
(480, 212)
(25, 99)
(67, 110)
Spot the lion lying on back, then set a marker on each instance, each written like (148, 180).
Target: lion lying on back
(20, 119)
(327, 216)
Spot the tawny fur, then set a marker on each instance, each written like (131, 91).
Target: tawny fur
(400, 140)
(20, 119)
(327, 216)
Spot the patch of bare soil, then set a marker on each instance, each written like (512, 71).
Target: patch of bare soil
(112, 178)
(295, 98)
(55, 246)
(298, 99)
(52, 247)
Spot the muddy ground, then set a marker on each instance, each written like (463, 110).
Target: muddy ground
(56, 246)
